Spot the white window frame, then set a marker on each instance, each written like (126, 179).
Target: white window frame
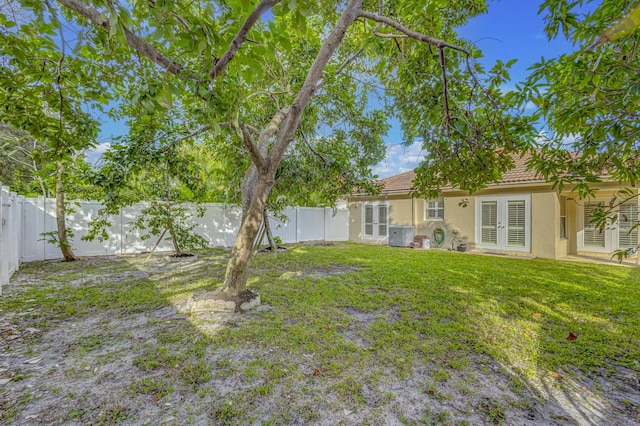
(563, 231)
(376, 221)
(611, 231)
(502, 205)
(439, 207)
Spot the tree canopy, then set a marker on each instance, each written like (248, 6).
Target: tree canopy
(281, 90)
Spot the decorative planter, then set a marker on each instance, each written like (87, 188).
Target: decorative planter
(462, 247)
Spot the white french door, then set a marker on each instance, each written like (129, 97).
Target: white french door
(375, 221)
(504, 223)
(616, 235)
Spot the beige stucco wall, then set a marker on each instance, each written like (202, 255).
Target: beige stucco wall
(400, 213)
(458, 223)
(460, 216)
(545, 224)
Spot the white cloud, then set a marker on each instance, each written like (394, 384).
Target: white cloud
(94, 155)
(400, 159)
(102, 148)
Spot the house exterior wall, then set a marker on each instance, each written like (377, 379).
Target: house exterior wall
(400, 213)
(545, 224)
(459, 220)
(460, 216)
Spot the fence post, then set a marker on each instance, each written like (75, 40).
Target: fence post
(2, 254)
(297, 224)
(14, 228)
(324, 223)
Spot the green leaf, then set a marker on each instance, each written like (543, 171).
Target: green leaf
(165, 98)
(301, 23)
(113, 24)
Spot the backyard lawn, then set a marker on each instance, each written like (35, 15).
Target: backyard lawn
(346, 334)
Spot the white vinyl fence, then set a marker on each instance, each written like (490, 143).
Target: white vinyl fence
(24, 220)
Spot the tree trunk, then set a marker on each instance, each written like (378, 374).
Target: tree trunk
(283, 125)
(235, 280)
(63, 241)
(267, 228)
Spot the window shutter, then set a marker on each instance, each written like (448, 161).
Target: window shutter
(627, 219)
(368, 220)
(382, 220)
(489, 220)
(593, 237)
(516, 223)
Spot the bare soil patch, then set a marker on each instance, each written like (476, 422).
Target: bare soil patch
(65, 362)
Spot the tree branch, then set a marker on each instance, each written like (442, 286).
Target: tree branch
(179, 18)
(335, 37)
(141, 46)
(270, 131)
(410, 33)
(241, 37)
(443, 65)
(342, 67)
(376, 29)
(254, 152)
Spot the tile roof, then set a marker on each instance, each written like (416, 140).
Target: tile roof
(519, 173)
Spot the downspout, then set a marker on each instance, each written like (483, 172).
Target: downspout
(413, 212)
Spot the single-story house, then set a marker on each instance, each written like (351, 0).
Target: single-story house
(521, 214)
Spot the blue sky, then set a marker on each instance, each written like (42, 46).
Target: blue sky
(511, 29)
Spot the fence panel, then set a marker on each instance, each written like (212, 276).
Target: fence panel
(286, 228)
(310, 224)
(134, 240)
(19, 226)
(232, 222)
(336, 224)
(24, 220)
(4, 241)
(51, 250)
(79, 217)
(33, 221)
(211, 226)
(12, 254)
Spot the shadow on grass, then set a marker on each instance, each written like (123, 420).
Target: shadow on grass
(351, 334)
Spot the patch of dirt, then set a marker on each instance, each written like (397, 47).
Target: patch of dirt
(360, 321)
(279, 249)
(185, 255)
(321, 272)
(100, 369)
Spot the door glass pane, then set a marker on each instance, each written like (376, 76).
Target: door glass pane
(516, 223)
(382, 220)
(489, 222)
(593, 237)
(627, 219)
(368, 220)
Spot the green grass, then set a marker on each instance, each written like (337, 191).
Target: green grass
(447, 306)
(343, 334)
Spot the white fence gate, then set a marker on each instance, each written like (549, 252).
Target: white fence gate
(24, 220)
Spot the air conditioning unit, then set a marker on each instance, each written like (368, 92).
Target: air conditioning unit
(401, 235)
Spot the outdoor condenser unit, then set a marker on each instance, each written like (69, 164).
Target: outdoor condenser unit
(401, 235)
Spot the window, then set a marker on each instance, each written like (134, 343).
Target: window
(435, 209)
(563, 218)
(504, 222)
(627, 220)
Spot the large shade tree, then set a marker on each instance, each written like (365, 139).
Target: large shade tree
(256, 73)
(45, 90)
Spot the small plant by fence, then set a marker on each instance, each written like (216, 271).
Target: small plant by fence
(25, 220)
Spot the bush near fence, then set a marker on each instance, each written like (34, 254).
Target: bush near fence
(24, 220)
